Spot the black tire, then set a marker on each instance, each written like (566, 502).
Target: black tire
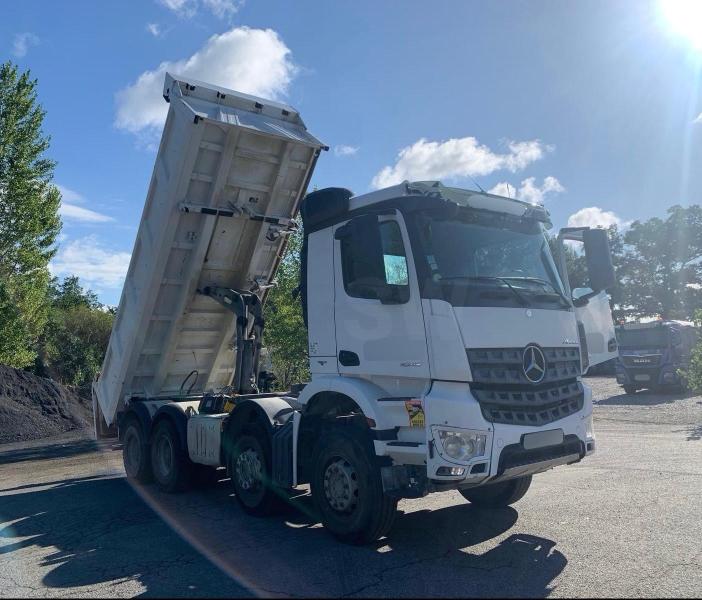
(630, 389)
(250, 468)
(347, 488)
(169, 463)
(135, 452)
(498, 495)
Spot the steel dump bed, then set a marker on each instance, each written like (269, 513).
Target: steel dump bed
(229, 175)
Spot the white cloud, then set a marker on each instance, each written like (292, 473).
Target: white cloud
(97, 266)
(593, 216)
(456, 157)
(69, 211)
(254, 61)
(698, 119)
(343, 150)
(183, 8)
(528, 190)
(23, 42)
(186, 9)
(154, 29)
(222, 9)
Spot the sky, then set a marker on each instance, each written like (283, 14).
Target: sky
(592, 108)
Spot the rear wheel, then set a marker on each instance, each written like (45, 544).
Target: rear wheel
(135, 452)
(347, 489)
(250, 467)
(498, 495)
(171, 467)
(630, 389)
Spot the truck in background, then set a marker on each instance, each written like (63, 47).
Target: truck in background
(446, 350)
(651, 355)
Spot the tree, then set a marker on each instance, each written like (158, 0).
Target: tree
(29, 220)
(285, 335)
(77, 334)
(661, 266)
(693, 374)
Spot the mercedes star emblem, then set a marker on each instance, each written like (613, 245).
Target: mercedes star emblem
(534, 364)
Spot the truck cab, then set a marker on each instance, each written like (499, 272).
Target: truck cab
(440, 314)
(651, 355)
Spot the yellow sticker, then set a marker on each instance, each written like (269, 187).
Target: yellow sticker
(415, 412)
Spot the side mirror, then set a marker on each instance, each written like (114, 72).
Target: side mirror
(599, 259)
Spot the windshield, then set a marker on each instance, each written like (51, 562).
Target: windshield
(474, 252)
(640, 339)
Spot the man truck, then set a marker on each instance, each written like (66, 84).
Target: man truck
(652, 355)
(445, 349)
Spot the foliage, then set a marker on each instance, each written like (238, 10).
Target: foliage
(658, 264)
(285, 335)
(662, 265)
(77, 335)
(29, 220)
(693, 374)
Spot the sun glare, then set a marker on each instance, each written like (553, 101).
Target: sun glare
(685, 18)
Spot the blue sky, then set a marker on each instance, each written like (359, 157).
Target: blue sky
(593, 108)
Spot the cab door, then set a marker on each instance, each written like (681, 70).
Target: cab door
(597, 323)
(378, 314)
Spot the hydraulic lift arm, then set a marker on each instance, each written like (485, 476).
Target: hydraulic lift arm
(249, 334)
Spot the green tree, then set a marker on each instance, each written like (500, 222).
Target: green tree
(693, 374)
(29, 220)
(661, 266)
(285, 335)
(76, 337)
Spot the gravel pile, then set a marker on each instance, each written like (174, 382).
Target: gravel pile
(33, 408)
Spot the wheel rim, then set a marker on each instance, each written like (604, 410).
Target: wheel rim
(132, 452)
(248, 470)
(164, 456)
(341, 486)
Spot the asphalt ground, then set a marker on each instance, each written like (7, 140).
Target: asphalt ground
(625, 522)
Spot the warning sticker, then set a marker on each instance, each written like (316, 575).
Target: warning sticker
(415, 412)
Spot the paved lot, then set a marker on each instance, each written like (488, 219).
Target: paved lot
(627, 522)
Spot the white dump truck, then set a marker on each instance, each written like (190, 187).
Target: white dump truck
(445, 348)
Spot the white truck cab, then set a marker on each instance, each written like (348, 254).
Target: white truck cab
(445, 349)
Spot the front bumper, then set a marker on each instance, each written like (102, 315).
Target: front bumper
(452, 406)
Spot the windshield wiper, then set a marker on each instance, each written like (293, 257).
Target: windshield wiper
(522, 299)
(542, 282)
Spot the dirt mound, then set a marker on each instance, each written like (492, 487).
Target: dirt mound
(32, 407)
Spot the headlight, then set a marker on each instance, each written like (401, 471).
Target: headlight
(462, 445)
(589, 430)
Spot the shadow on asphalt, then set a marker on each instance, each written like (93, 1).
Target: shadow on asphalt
(102, 531)
(57, 450)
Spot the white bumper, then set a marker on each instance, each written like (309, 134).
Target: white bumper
(451, 406)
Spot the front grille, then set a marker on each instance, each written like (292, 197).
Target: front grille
(515, 455)
(507, 396)
(638, 362)
(504, 365)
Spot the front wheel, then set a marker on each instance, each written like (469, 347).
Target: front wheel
(347, 489)
(630, 389)
(498, 495)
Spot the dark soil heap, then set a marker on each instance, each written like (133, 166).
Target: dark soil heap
(33, 407)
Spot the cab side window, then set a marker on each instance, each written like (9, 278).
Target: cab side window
(389, 281)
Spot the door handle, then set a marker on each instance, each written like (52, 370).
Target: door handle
(348, 358)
